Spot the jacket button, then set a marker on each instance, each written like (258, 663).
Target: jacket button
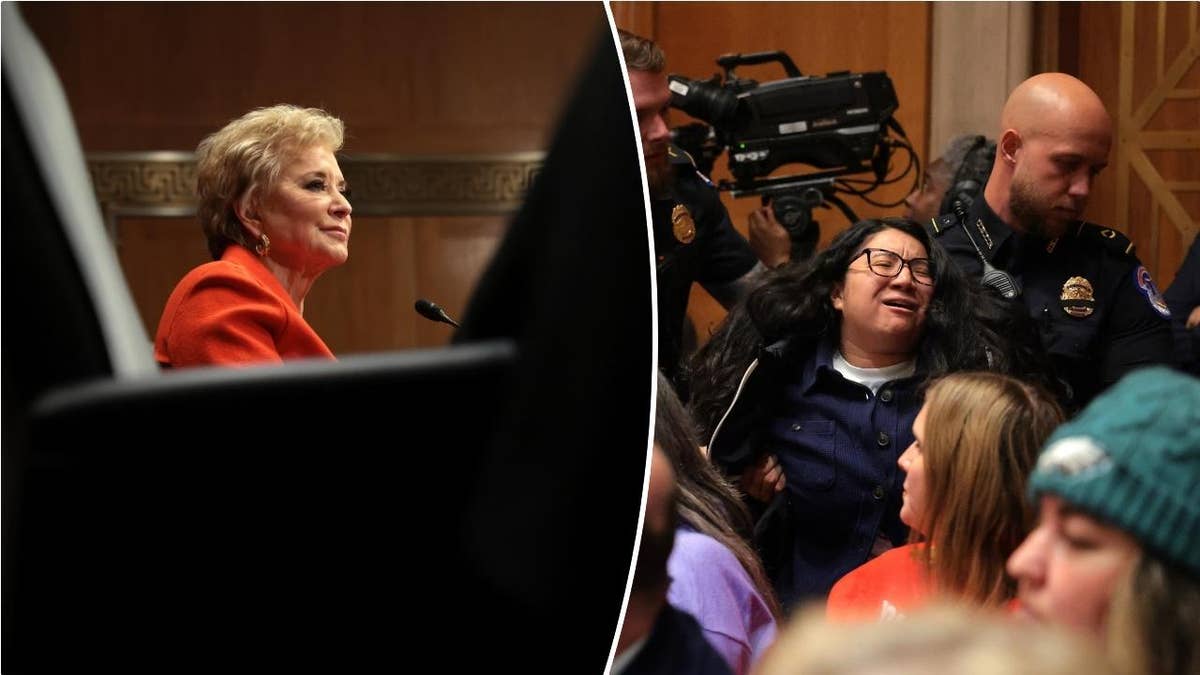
(886, 396)
(877, 493)
(797, 427)
(882, 439)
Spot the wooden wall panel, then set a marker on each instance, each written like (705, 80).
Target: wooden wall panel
(414, 78)
(445, 80)
(367, 304)
(460, 246)
(1143, 59)
(155, 253)
(970, 85)
(820, 37)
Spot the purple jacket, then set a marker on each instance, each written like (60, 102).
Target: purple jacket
(709, 583)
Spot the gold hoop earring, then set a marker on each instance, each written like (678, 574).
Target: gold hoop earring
(263, 247)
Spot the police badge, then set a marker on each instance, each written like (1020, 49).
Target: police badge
(682, 224)
(1077, 298)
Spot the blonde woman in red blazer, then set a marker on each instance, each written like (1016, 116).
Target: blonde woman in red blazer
(274, 208)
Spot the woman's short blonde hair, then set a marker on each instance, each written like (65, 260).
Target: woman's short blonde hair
(243, 160)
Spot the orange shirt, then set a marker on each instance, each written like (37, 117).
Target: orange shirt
(233, 311)
(886, 587)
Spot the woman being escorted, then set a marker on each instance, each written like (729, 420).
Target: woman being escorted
(810, 389)
(975, 441)
(274, 208)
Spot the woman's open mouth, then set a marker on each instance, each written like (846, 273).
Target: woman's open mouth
(903, 304)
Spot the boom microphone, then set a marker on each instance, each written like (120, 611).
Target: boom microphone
(433, 312)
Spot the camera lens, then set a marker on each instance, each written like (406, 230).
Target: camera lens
(707, 101)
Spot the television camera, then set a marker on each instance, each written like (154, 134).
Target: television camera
(841, 124)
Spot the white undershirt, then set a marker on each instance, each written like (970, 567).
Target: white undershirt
(873, 378)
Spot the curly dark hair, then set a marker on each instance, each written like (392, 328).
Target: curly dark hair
(967, 327)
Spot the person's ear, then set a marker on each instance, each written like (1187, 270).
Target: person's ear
(1010, 143)
(246, 210)
(835, 297)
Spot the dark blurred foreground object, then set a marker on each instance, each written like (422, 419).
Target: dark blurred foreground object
(465, 509)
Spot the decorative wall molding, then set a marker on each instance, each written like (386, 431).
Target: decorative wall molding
(397, 185)
(162, 183)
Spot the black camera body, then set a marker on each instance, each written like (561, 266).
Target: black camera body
(837, 122)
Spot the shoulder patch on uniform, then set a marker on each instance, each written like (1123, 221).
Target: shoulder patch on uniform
(1111, 239)
(1141, 278)
(942, 223)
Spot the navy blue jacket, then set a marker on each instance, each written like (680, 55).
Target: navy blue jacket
(838, 444)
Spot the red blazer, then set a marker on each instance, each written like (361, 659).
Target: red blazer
(233, 311)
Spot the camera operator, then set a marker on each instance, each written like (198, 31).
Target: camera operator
(694, 239)
(1096, 310)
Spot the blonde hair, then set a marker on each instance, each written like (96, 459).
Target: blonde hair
(982, 436)
(244, 159)
(937, 639)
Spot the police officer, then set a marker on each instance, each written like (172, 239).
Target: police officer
(694, 240)
(1097, 311)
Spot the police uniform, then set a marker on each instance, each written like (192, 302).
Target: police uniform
(694, 241)
(1096, 309)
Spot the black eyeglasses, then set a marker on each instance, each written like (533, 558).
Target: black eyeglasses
(886, 263)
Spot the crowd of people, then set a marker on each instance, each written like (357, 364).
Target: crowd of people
(937, 430)
(969, 405)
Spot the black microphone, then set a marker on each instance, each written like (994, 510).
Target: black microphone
(433, 312)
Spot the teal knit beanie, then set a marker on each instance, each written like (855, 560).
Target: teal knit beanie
(1132, 458)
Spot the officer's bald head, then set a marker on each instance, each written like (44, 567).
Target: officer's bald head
(1056, 104)
(1055, 136)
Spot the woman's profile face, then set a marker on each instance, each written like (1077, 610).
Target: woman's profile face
(880, 313)
(912, 461)
(1069, 566)
(306, 213)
